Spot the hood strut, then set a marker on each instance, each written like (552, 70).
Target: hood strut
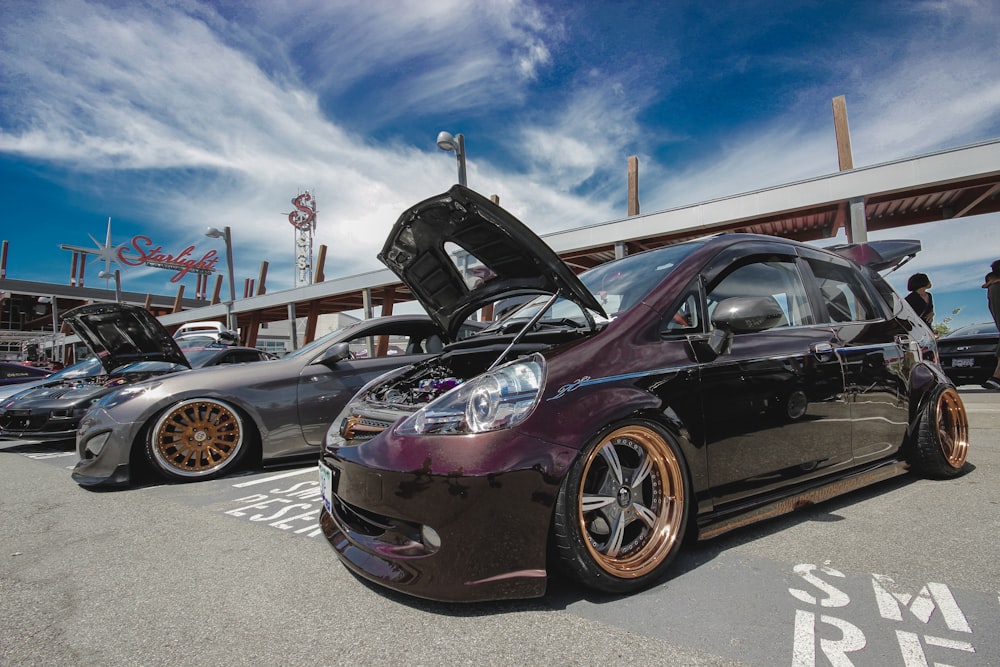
(521, 334)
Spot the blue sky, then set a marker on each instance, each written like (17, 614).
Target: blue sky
(170, 116)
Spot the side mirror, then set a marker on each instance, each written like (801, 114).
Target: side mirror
(334, 353)
(747, 314)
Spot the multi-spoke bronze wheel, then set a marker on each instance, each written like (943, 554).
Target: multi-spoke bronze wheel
(621, 513)
(196, 439)
(943, 440)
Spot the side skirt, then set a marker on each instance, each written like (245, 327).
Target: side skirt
(723, 521)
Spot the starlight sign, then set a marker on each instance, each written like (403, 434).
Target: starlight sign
(142, 252)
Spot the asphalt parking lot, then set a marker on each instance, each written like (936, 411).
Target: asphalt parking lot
(235, 572)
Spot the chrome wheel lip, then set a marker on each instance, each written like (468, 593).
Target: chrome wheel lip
(952, 428)
(621, 499)
(214, 438)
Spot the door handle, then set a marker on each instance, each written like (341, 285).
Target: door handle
(821, 348)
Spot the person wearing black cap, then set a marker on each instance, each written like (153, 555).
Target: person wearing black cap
(992, 286)
(919, 298)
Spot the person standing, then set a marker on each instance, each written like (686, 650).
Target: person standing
(919, 298)
(992, 286)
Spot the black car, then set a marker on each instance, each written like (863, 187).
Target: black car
(969, 355)
(128, 345)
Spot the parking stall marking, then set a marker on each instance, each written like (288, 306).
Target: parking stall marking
(933, 604)
(292, 507)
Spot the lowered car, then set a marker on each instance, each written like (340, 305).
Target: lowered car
(128, 345)
(669, 395)
(969, 354)
(207, 422)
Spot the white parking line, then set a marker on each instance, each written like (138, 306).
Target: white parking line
(265, 480)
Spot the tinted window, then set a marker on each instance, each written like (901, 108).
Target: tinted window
(776, 278)
(844, 296)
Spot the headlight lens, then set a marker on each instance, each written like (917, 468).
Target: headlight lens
(126, 393)
(495, 400)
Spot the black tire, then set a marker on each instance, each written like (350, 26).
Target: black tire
(197, 439)
(942, 442)
(622, 510)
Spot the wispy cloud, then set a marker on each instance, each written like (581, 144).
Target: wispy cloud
(221, 115)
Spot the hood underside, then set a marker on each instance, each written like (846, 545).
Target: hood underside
(120, 333)
(459, 251)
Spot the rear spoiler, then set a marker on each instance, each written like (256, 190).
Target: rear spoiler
(879, 255)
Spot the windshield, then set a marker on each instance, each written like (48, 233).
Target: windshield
(986, 328)
(617, 286)
(86, 368)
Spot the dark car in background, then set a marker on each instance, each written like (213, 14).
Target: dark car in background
(207, 422)
(676, 393)
(969, 354)
(12, 372)
(128, 345)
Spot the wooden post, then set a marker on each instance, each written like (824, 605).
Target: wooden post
(262, 276)
(178, 300)
(320, 263)
(633, 185)
(844, 158)
(217, 290)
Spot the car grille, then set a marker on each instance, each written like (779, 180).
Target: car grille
(22, 421)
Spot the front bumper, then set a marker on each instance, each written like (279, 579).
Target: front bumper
(35, 425)
(487, 500)
(110, 465)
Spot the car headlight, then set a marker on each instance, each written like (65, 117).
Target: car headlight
(126, 393)
(495, 400)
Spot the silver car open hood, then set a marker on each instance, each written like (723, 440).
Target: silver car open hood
(458, 252)
(120, 333)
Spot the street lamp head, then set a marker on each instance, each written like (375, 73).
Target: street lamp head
(447, 142)
(214, 233)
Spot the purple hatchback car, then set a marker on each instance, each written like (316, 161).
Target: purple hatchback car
(668, 395)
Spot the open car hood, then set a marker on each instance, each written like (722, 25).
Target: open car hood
(120, 333)
(502, 258)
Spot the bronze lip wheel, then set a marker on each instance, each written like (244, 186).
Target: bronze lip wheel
(196, 438)
(952, 428)
(631, 502)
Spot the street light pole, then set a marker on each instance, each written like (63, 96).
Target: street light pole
(447, 142)
(226, 233)
(117, 275)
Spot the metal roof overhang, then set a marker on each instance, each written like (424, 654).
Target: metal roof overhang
(943, 186)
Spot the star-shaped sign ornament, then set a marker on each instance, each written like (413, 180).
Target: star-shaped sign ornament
(107, 252)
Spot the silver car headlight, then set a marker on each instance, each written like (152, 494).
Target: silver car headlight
(126, 393)
(497, 399)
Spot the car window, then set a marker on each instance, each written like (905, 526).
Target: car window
(685, 318)
(844, 296)
(373, 347)
(772, 277)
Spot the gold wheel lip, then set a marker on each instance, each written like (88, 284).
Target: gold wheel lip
(952, 428)
(160, 448)
(659, 540)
